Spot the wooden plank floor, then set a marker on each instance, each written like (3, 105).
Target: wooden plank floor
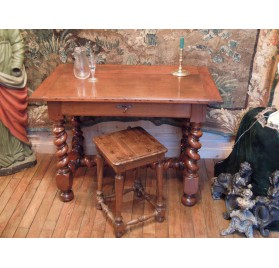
(30, 206)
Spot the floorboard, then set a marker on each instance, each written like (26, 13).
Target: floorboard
(30, 205)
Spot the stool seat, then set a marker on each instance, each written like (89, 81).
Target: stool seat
(125, 150)
(129, 148)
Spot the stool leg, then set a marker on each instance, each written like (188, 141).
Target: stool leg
(100, 174)
(160, 207)
(138, 185)
(118, 223)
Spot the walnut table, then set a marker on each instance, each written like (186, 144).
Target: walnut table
(128, 91)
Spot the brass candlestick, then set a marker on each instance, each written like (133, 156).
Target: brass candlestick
(180, 71)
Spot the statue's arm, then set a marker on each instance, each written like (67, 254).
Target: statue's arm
(17, 45)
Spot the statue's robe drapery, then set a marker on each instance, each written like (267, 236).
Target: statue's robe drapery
(13, 114)
(14, 144)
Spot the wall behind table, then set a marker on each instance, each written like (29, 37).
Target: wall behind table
(213, 146)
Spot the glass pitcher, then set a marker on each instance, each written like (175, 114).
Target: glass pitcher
(81, 66)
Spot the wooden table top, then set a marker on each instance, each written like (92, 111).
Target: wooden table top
(130, 83)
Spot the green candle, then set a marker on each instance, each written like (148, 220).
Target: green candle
(181, 42)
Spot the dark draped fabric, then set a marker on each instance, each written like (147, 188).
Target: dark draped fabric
(259, 146)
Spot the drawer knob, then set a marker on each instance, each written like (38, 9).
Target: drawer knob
(124, 107)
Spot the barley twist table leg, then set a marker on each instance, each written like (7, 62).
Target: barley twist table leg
(191, 176)
(64, 176)
(184, 139)
(77, 140)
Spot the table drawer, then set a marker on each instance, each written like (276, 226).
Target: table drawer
(127, 109)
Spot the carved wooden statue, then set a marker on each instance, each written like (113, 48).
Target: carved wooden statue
(15, 148)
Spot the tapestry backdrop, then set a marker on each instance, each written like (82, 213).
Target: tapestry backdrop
(239, 61)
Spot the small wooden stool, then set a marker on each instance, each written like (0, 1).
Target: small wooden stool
(125, 150)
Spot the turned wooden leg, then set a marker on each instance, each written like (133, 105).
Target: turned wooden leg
(191, 176)
(118, 223)
(137, 184)
(64, 176)
(100, 174)
(160, 207)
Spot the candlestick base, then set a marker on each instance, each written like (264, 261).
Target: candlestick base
(180, 72)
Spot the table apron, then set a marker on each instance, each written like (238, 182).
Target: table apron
(195, 112)
(126, 109)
